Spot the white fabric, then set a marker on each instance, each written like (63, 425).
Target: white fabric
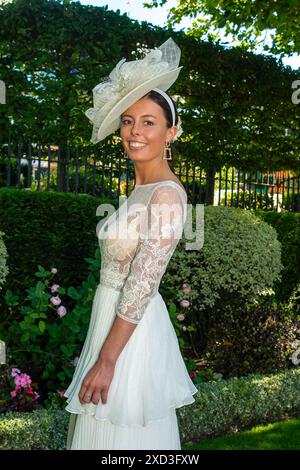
(131, 269)
(167, 98)
(91, 434)
(171, 105)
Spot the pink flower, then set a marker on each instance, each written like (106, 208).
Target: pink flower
(186, 288)
(183, 327)
(180, 317)
(61, 394)
(36, 395)
(54, 270)
(22, 380)
(15, 371)
(55, 300)
(193, 374)
(54, 288)
(61, 311)
(13, 394)
(185, 303)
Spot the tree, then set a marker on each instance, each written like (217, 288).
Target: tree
(247, 20)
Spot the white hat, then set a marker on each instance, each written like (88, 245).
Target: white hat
(127, 83)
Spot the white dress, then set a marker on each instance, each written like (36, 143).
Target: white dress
(150, 377)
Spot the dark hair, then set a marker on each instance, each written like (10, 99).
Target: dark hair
(162, 102)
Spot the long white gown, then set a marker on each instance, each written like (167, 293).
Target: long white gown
(150, 378)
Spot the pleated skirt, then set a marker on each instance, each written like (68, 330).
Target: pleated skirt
(91, 434)
(150, 381)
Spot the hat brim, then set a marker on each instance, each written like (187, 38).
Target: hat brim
(112, 120)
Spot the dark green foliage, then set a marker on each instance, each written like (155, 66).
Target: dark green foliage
(49, 229)
(251, 339)
(287, 226)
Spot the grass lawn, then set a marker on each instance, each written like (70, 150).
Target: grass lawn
(284, 435)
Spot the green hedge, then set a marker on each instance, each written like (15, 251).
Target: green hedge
(236, 404)
(220, 408)
(287, 225)
(50, 229)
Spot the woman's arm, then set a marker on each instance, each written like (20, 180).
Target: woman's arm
(96, 383)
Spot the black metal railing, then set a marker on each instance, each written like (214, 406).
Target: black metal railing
(90, 170)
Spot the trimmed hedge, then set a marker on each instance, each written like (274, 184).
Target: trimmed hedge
(220, 408)
(287, 225)
(237, 404)
(51, 229)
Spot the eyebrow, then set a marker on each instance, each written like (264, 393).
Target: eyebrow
(144, 115)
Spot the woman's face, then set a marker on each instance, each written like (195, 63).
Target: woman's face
(144, 130)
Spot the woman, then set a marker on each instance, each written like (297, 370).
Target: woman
(131, 377)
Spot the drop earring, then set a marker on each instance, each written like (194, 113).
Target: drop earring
(125, 155)
(167, 152)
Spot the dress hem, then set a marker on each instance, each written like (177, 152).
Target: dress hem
(173, 406)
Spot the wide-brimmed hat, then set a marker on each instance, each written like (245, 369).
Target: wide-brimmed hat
(127, 83)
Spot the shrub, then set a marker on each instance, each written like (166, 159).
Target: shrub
(287, 226)
(238, 263)
(55, 228)
(236, 404)
(38, 430)
(251, 339)
(248, 200)
(54, 326)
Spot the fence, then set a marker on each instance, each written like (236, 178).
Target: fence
(89, 170)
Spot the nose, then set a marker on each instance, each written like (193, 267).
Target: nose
(135, 129)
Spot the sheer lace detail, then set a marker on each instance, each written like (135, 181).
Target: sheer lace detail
(159, 236)
(118, 252)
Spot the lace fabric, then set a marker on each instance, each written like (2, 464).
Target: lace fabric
(136, 264)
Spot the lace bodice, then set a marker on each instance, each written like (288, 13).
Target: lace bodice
(137, 242)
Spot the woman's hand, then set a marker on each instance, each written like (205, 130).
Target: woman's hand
(96, 383)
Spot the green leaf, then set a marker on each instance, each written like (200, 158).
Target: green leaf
(61, 376)
(25, 337)
(75, 328)
(42, 326)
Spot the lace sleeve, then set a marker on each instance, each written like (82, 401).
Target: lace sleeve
(159, 237)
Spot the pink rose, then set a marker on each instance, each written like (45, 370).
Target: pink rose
(186, 288)
(61, 311)
(54, 270)
(54, 288)
(13, 394)
(55, 300)
(180, 317)
(185, 303)
(36, 395)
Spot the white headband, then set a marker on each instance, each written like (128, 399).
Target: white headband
(169, 101)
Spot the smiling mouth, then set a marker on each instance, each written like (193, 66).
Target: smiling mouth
(136, 146)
